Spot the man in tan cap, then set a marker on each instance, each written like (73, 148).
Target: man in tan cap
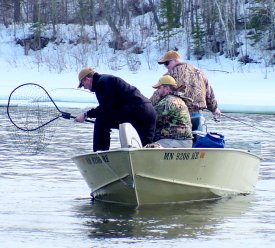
(173, 125)
(119, 102)
(192, 82)
(83, 73)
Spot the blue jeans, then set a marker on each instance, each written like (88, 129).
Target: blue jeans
(196, 114)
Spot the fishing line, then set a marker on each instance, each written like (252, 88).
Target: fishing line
(249, 125)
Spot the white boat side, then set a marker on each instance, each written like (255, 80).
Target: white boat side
(139, 176)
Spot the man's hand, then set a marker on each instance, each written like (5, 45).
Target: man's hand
(217, 115)
(81, 117)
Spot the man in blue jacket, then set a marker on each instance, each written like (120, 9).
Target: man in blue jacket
(119, 102)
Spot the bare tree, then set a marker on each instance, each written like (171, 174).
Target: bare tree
(53, 14)
(271, 8)
(154, 10)
(17, 11)
(5, 10)
(35, 5)
(186, 11)
(222, 7)
(111, 10)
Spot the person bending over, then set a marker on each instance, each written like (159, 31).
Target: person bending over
(119, 102)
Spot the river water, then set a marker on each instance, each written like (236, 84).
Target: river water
(45, 202)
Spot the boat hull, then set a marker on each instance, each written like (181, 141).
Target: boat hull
(166, 175)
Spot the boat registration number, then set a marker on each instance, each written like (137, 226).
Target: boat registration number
(97, 159)
(183, 155)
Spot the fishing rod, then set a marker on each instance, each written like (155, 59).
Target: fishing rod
(249, 125)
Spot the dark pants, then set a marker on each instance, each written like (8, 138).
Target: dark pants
(142, 117)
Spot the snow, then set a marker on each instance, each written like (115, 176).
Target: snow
(241, 88)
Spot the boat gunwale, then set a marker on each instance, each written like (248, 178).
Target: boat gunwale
(130, 150)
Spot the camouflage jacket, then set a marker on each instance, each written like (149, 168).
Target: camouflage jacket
(193, 83)
(173, 118)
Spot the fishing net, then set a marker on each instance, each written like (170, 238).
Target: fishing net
(31, 142)
(33, 113)
(30, 107)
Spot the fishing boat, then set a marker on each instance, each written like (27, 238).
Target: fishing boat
(134, 175)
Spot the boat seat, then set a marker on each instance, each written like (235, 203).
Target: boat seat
(128, 136)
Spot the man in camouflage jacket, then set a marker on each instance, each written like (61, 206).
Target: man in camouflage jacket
(192, 82)
(173, 125)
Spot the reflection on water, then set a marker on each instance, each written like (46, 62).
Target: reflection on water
(190, 220)
(45, 202)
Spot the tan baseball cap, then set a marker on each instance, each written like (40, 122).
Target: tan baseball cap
(169, 55)
(85, 72)
(165, 80)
